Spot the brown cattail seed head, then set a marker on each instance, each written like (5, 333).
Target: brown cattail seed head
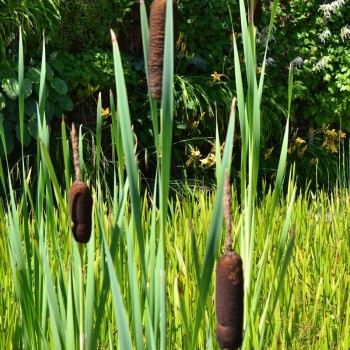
(75, 152)
(80, 206)
(156, 45)
(229, 301)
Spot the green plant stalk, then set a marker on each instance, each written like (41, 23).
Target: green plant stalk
(166, 123)
(98, 133)
(117, 140)
(81, 297)
(90, 289)
(128, 146)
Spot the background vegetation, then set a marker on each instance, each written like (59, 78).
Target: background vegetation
(315, 36)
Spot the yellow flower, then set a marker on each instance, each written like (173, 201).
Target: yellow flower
(209, 161)
(216, 76)
(196, 153)
(105, 112)
(212, 157)
(331, 133)
(342, 134)
(268, 153)
(299, 140)
(204, 161)
(195, 124)
(259, 70)
(313, 161)
(333, 148)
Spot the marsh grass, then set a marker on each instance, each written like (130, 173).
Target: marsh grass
(312, 312)
(145, 279)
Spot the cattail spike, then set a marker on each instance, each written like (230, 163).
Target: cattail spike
(229, 286)
(80, 205)
(80, 199)
(229, 301)
(75, 153)
(156, 45)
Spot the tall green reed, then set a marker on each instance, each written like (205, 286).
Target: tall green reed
(249, 96)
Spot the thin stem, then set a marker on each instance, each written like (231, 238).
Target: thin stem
(227, 213)
(81, 298)
(75, 153)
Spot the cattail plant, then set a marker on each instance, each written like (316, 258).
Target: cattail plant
(229, 287)
(156, 45)
(80, 199)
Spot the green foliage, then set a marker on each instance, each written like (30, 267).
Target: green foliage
(207, 30)
(32, 16)
(317, 38)
(91, 70)
(86, 24)
(57, 102)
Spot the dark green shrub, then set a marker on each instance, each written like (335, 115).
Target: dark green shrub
(316, 36)
(86, 24)
(207, 30)
(32, 16)
(57, 101)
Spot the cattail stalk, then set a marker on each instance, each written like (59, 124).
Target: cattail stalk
(80, 199)
(229, 287)
(75, 153)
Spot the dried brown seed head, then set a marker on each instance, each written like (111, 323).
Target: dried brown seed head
(75, 152)
(229, 301)
(80, 205)
(156, 45)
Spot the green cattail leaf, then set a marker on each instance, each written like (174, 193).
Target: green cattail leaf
(128, 146)
(124, 335)
(90, 289)
(98, 132)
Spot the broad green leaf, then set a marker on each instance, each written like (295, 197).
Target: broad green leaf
(27, 87)
(10, 87)
(33, 128)
(49, 72)
(30, 107)
(59, 85)
(33, 74)
(65, 103)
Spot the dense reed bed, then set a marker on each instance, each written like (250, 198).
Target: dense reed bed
(146, 276)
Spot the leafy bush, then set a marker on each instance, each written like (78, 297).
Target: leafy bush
(57, 102)
(317, 38)
(86, 23)
(32, 16)
(92, 70)
(207, 29)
